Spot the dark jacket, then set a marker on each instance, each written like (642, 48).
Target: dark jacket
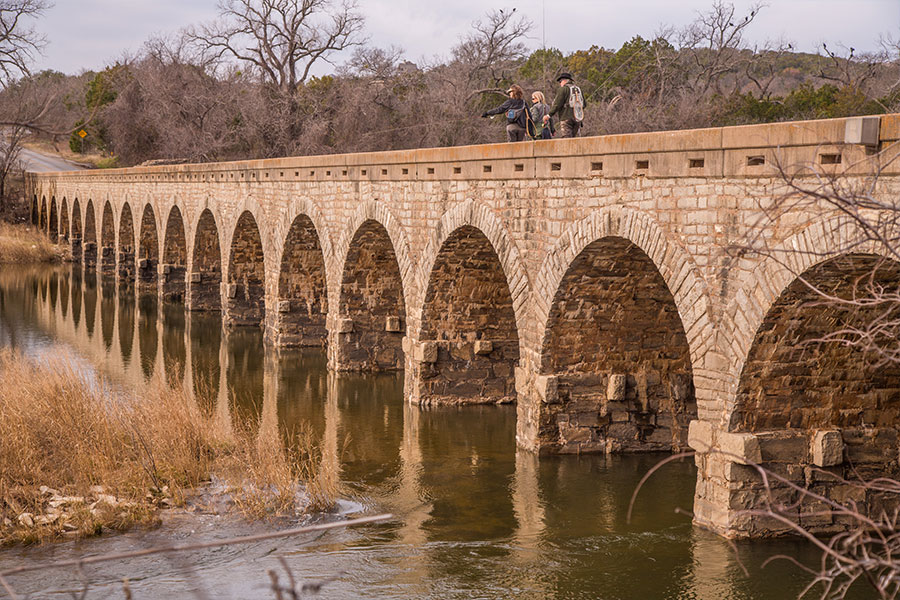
(514, 104)
(561, 108)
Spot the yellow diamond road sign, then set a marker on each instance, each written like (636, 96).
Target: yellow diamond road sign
(82, 133)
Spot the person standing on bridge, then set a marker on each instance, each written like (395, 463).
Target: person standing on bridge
(538, 129)
(568, 106)
(516, 112)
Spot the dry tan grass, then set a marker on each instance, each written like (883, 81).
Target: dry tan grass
(62, 431)
(25, 244)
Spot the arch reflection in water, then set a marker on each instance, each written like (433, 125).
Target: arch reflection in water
(126, 323)
(206, 343)
(245, 355)
(90, 301)
(174, 348)
(107, 309)
(148, 305)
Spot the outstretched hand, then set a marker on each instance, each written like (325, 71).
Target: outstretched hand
(484, 115)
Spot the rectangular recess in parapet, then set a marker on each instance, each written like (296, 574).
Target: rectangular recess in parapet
(642, 164)
(519, 167)
(384, 171)
(696, 163)
(556, 166)
(457, 170)
(328, 173)
(405, 171)
(596, 166)
(431, 170)
(312, 173)
(756, 161)
(364, 172)
(829, 159)
(487, 168)
(344, 172)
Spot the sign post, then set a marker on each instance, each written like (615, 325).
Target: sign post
(82, 134)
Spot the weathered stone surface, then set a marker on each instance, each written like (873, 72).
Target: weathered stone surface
(742, 448)
(827, 448)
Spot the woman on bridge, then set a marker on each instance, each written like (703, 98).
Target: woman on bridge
(516, 112)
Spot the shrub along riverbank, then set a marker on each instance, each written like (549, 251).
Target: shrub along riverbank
(22, 244)
(77, 457)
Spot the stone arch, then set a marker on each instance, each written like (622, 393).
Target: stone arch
(302, 287)
(617, 352)
(64, 220)
(108, 240)
(77, 245)
(35, 213)
(468, 342)
(801, 374)
(206, 265)
(174, 257)
(759, 289)
(148, 249)
(43, 214)
(372, 309)
(482, 218)
(246, 297)
(90, 236)
(379, 212)
(53, 223)
(126, 244)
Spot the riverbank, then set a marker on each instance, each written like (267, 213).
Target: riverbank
(78, 458)
(21, 244)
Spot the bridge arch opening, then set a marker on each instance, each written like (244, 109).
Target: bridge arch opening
(302, 292)
(618, 354)
(206, 265)
(43, 215)
(372, 306)
(108, 240)
(148, 250)
(468, 342)
(54, 221)
(126, 245)
(174, 257)
(64, 220)
(246, 297)
(90, 236)
(35, 213)
(77, 236)
(802, 374)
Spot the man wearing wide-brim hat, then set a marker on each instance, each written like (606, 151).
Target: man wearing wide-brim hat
(568, 124)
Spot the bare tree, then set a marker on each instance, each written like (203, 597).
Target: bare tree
(495, 44)
(281, 39)
(714, 44)
(18, 41)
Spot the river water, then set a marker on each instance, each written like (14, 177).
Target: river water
(473, 516)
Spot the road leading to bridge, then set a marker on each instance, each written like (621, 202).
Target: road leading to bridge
(43, 163)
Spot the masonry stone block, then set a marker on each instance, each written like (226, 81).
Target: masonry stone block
(483, 347)
(345, 326)
(615, 390)
(426, 352)
(196, 277)
(700, 435)
(827, 448)
(284, 306)
(392, 324)
(742, 448)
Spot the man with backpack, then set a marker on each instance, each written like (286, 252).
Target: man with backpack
(516, 112)
(568, 106)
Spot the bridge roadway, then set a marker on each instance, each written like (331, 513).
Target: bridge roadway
(629, 293)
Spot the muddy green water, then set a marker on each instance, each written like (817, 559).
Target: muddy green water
(474, 517)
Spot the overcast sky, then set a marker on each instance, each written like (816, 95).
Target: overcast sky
(89, 34)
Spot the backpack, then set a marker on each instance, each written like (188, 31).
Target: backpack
(514, 115)
(576, 101)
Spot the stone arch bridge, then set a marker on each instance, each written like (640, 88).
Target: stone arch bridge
(608, 286)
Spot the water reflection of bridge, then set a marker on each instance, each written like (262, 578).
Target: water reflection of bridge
(465, 495)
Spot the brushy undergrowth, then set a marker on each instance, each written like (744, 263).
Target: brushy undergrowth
(77, 457)
(25, 244)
